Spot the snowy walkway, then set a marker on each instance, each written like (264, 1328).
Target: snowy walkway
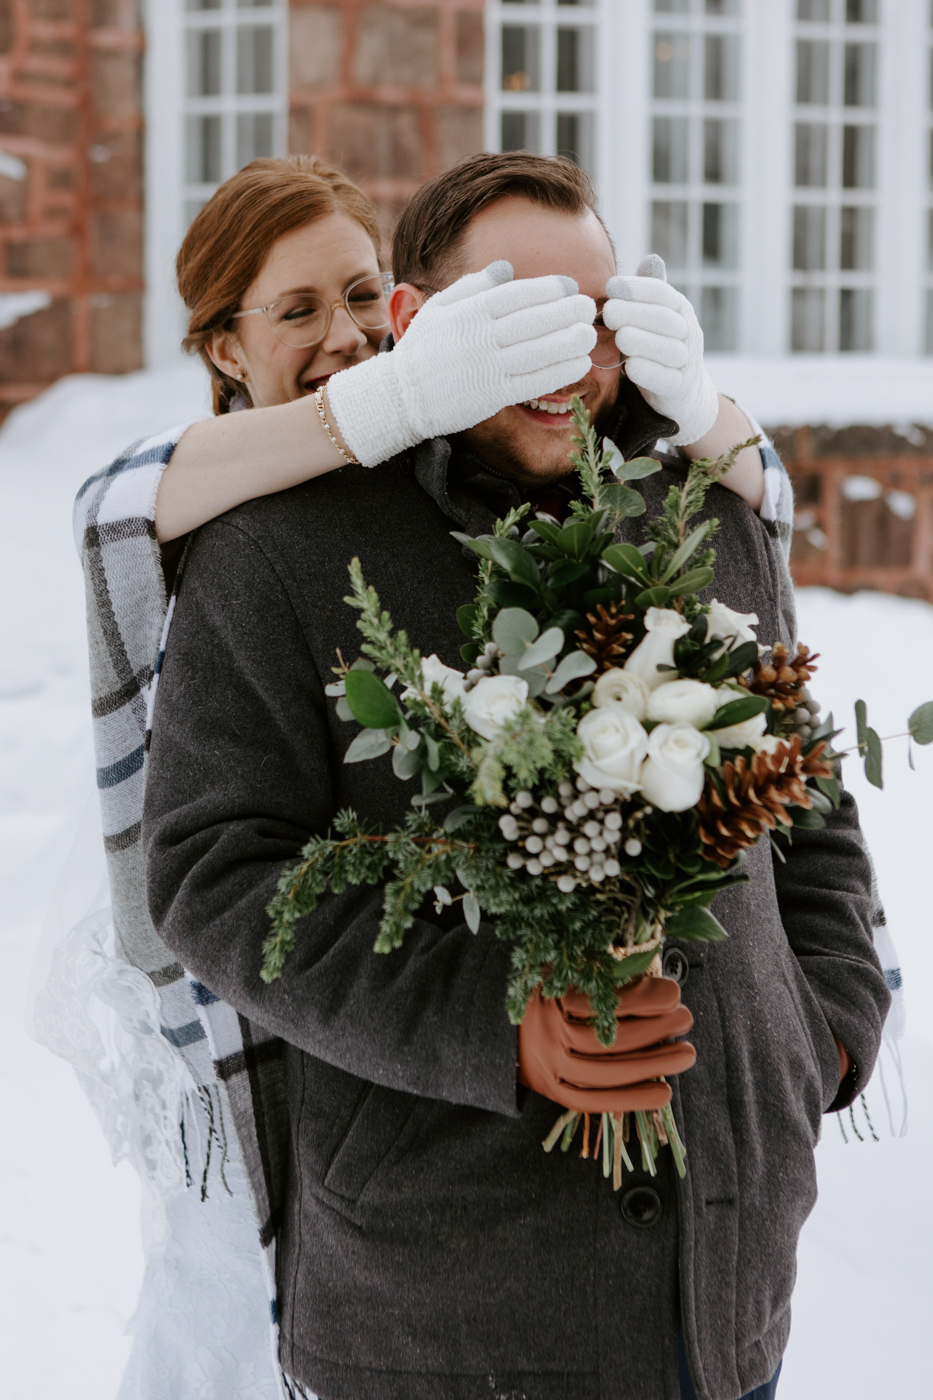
(70, 1257)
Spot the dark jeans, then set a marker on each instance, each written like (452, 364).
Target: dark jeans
(762, 1392)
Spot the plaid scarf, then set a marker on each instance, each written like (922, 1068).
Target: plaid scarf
(235, 1063)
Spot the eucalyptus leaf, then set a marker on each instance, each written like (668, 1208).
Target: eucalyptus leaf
(371, 701)
(622, 500)
(873, 758)
(363, 663)
(434, 753)
(920, 724)
(613, 459)
(574, 666)
(633, 966)
(472, 912)
(336, 688)
(514, 630)
(537, 680)
(469, 652)
(459, 817)
(479, 546)
(861, 725)
(548, 645)
(821, 803)
(638, 468)
(506, 594)
(406, 762)
(369, 743)
(714, 759)
(808, 819)
(342, 709)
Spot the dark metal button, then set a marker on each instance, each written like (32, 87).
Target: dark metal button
(675, 965)
(641, 1207)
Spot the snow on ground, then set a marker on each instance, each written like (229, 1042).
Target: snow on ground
(70, 1256)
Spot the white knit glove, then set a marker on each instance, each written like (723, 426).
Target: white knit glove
(478, 346)
(657, 329)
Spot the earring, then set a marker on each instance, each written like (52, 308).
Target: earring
(241, 374)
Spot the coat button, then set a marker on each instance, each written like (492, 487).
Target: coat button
(641, 1207)
(674, 965)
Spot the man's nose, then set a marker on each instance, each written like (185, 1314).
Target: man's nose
(344, 336)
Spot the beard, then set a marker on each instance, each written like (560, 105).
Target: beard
(534, 453)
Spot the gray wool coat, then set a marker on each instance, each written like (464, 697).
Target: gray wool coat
(429, 1249)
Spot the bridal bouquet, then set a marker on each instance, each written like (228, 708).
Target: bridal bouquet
(612, 748)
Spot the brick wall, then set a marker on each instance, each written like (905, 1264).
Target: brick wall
(864, 499)
(72, 226)
(391, 92)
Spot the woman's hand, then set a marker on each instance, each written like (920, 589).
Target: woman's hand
(482, 344)
(560, 1057)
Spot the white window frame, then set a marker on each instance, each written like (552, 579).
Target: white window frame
(167, 107)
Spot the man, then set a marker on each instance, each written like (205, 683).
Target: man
(429, 1249)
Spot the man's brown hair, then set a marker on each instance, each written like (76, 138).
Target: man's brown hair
(230, 239)
(436, 218)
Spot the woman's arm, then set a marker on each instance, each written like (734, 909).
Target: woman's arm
(483, 343)
(222, 462)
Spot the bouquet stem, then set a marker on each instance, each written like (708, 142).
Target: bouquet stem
(654, 1130)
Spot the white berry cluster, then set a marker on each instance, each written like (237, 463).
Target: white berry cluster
(574, 837)
(485, 665)
(806, 717)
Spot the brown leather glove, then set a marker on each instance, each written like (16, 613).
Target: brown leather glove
(560, 1057)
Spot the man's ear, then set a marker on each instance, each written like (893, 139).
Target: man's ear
(223, 350)
(404, 304)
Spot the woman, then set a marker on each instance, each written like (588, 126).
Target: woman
(282, 277)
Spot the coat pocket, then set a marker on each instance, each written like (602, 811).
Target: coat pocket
(816, 1029)
(381, 1127)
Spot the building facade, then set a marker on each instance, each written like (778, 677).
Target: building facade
(777, 153)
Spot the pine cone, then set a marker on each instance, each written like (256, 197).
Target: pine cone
(782, 679)
(606, 639)
(754, 797)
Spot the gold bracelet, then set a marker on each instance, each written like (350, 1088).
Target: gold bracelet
(319, 405)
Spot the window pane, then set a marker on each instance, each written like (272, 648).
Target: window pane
(810, 146)
(721, 68)
(928, 339)
(203, 5)
(722, 7)
(204, 150)
(575, 137)
(720, 235)
(255, 4)
(860, 66)
(931, 158)
(807, 319)
(720, 152)
(521, 59)
(930, 241)
(809, 238)
(254, 137)
(858, 157)
(861, 11)
(669, 151)
(669, 231)
(521, 131)
(255, 61)
(856, 232)
(813, 71)
(575, 60)
(817, 10)
(719, 308)
(855, 319)
(672, 7)
(671, 65)
(204, 71)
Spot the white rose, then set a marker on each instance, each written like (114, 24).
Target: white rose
(614, 746)
(746, 735)
(683, 702)
(733, 627)
(617, 687)
(672, 775)
(493, 703)
(433, 670)
(664, 626)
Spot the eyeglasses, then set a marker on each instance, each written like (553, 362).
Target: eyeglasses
(304, 319)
